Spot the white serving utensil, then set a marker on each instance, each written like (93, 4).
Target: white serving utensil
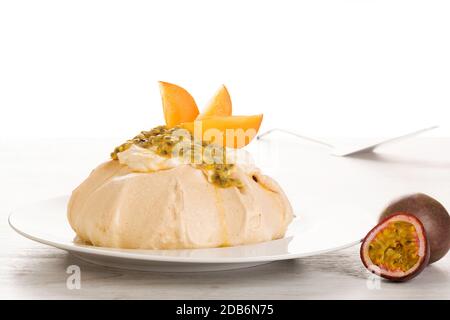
(352, 150)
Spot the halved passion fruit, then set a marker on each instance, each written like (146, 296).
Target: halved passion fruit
(397, 248)
(432, 214)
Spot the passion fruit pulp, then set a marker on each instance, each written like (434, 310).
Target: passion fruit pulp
(397, 248)
(432, 214)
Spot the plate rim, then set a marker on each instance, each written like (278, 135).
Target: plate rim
(113, 253)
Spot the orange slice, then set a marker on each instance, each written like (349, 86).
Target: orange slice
(219, 105)
(178, 105)
(230, 131)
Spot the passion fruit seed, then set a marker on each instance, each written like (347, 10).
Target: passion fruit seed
(396, 247)
(162, 140)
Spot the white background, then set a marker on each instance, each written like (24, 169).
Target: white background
(325, 68)
(341, 68)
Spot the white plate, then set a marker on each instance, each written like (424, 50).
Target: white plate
(336, 200)
(46, 222)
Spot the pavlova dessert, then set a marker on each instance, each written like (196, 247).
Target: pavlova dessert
(186, 184)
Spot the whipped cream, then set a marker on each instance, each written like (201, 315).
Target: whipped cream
(147, 160)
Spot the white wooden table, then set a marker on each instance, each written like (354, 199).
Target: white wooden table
(35, 170)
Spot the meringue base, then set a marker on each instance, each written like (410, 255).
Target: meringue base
(175, 208)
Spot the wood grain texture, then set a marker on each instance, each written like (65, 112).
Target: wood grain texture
(30, 270)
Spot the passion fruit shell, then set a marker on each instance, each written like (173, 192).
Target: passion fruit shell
(397, 248)
(432, 214)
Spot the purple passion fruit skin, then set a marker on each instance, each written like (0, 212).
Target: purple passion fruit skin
(397, 248)
(433, 216)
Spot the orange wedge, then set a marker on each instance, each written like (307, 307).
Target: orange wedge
(219, 105)
(178, 105)
(230, 131)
